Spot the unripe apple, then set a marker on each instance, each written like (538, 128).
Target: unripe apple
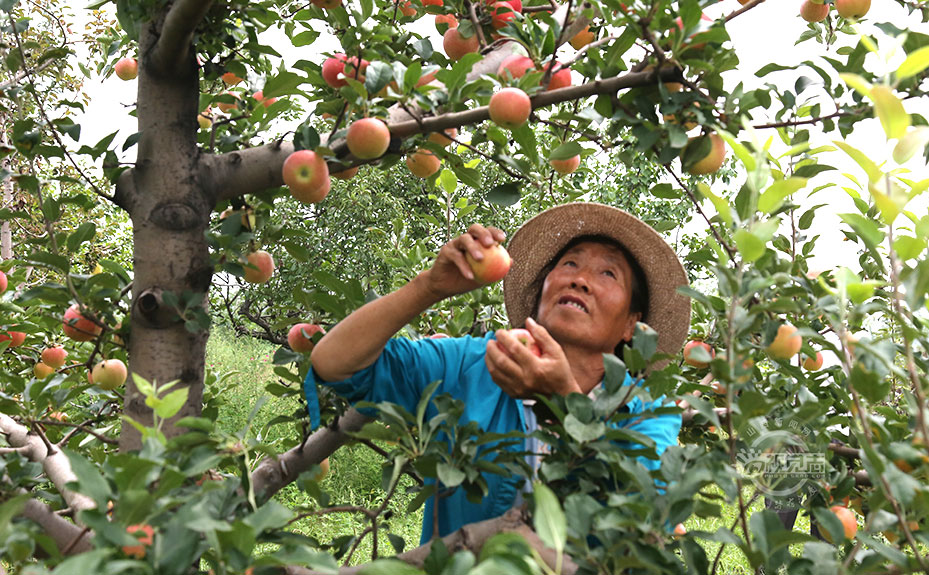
(307, 176)
(299, 337)
(567, 165)
(3, 282)
(54, 357)
(524, 337)
(368, 138)
(444, 22)
(786, 344)
(443, 138)
(812, 12)
(813, 364)
(205, 119)
(493, 266)
(516, 66)
(346, 174)
(109, 374)
(259, 96)
(260, 268)
(710, 162)
(510, 108)
(230, 79)
(561, 77)
(126, 69)
(423, 163)
(688, 350)
(583, 38)
(852, 8)
(456, 45)
(41, 371)
(78, 327)
(145, 535)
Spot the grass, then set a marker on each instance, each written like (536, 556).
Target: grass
(355, 470)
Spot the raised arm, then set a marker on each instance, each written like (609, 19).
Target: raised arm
(357, 341)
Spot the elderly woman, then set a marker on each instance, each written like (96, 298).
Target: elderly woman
(583, 274)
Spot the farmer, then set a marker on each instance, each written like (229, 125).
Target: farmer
(583, 274)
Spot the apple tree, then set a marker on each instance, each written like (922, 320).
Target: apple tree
(498, 110)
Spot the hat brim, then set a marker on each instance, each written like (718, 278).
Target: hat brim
(539, 240)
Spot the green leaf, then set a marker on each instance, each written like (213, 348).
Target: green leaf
(915, 63)
(271, 515)
(870, 168)
(548, 518)
(59, 263)
(449, 475)
(889, 202)
(749, 245)
(722, 206)
(665, 191)
(90, 482)
(583, 432)
(913, 141)
(858, 83)
(83, 233)
(172, 403)
(389, 567)
(504, 194)
(866, 228)
(566, 151)
(772, 198)
(740, 151)
(889, 110)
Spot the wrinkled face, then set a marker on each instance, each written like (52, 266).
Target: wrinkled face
(585, 298)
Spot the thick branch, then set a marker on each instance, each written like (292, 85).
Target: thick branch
(273, 473)
(177, 33)
(69, 538)
(54, 462)
(246, 171)
(471, 537)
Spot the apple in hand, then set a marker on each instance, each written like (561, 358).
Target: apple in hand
(688, 350)
(78, 327)
(368, 138)
(54, 357)
(307, 175)
(786, 343)
(524, 337)
(260, 268)
(510, 108)
(127, 69)
(109, 374)
(493, 266)
(299, 338)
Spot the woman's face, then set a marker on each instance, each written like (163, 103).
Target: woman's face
(585, 298)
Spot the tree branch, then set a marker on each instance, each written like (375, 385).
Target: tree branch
(273, 473)
(55, 463)
(471, 537)
(177, 33)
(69, 538)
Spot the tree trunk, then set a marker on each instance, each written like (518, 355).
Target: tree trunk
(6, 237)
(170, 208)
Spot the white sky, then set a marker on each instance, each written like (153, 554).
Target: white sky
(762, 35)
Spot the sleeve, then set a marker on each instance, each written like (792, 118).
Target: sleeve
(399, 375)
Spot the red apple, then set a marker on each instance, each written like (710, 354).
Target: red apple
(786, 344)
(433, 2)
(78, 327)
(711, 162)
(54, 357)
(439, 336)
(109, 374)
(16, 338)
(813, 364)
(407, 8)
(456, 45)
(443, 22)
(260, 268)
(368, 138)
(226, 106)
(332, 68)
(126, 69)
(813, 12)
(230, 79)
(852, 8)
(516, 66)
(493, 266)
(525, 338)
(41, 371)
(688, 349)
(3, 282)
(561, 77)
(582, 38)
(501, 14)
(354, 70)
(299, 337)
(443, 138)
(423, 163)
(145, 534)
(345, 174)
(510, 108)
(307, 175)
(259, 95)
(566, 166)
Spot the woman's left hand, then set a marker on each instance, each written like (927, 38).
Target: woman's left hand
(522, 374)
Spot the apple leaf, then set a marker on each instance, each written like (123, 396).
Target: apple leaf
(283, 84)
(722, 207)
(890, 111)
(914, 141)
(914, 63)
(870, 168)
(890, 199)
(504, 194)
(740, 151)
(549, 519)
(565, 151)
(859, 84)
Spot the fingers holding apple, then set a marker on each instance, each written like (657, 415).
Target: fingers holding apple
(524, 362)
(452, 273)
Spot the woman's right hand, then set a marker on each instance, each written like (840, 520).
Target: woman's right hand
(450, 274)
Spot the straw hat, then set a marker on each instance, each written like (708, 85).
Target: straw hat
(538, 241)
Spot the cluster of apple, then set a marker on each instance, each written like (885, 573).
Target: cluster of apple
(205, 118)
(818, 10)
(785, 345)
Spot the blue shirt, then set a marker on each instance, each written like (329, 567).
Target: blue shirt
(406, 367)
